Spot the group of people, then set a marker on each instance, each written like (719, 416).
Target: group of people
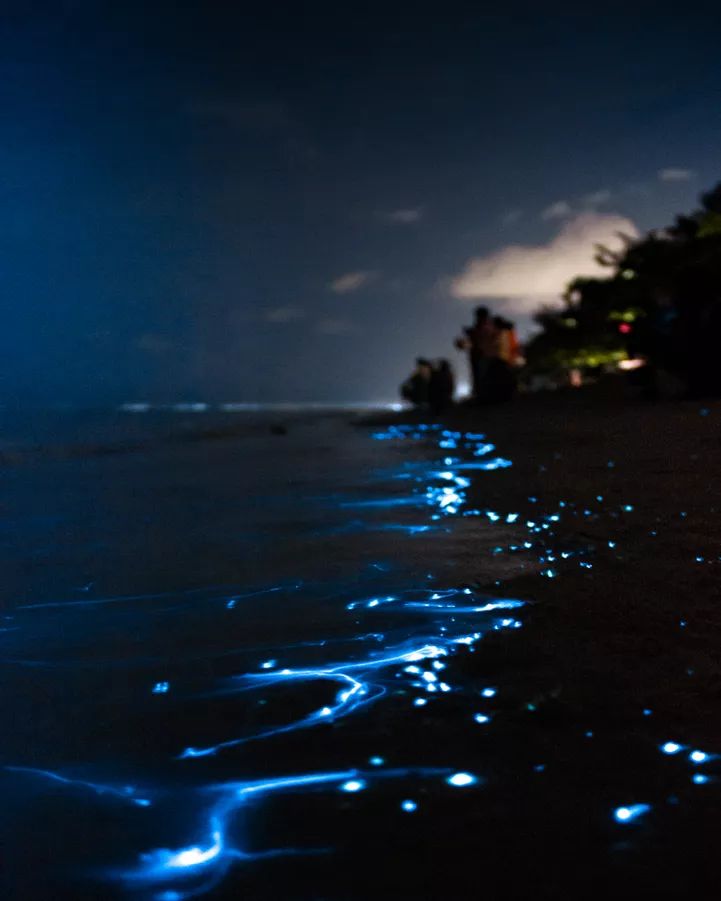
(494, 354)
(430, 384)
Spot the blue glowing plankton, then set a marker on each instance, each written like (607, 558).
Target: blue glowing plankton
(630, 813)
(461, 780)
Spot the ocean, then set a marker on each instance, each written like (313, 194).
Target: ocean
(235, 652)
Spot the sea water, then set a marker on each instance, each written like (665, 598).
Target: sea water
(234, 649)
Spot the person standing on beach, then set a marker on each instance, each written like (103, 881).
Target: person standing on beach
(500, 375)
(480, 340)
(508, 345)
(415, 388)
(441, 387)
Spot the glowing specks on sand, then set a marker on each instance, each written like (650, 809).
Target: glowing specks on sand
(671, 747)
(409, 806)
(353, 785)
(630, 813)
(461, 780)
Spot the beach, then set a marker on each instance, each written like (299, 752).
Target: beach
(310, 656)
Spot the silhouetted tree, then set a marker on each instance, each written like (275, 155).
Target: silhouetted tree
(662, 295)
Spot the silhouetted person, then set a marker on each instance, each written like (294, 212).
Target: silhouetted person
(480, 341)
(509, 347)
(441, 387)
(499, 383)
(415, 388)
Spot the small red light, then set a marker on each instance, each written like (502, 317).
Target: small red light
(624, 328)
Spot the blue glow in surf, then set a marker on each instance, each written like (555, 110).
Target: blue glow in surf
(409, 662)
(126, 794)
(461, 780)
(377, 642)
(630, 813)
(353, 785)
(163, 865)
(196, 857)
(447, 499)
(211, 857)
(358, 688)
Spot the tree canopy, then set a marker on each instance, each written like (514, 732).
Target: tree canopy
(677, 267)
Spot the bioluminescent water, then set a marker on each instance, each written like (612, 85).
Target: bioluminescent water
(267, 669)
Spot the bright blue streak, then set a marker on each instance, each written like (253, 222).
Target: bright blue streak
(356, 694)
(630, 813)
(125, 794)
(215, 854)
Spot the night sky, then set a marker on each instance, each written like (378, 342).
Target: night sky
(205, 203)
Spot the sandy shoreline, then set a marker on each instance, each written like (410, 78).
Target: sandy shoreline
(614, 631)
(617, 654)
(623, 654)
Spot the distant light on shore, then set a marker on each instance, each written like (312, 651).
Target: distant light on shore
(628, 365)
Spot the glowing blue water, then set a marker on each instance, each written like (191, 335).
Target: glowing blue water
(265, 655)
(213, 687)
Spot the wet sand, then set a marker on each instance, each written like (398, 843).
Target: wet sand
(621, 645)
(615, 631)
(618, 655)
